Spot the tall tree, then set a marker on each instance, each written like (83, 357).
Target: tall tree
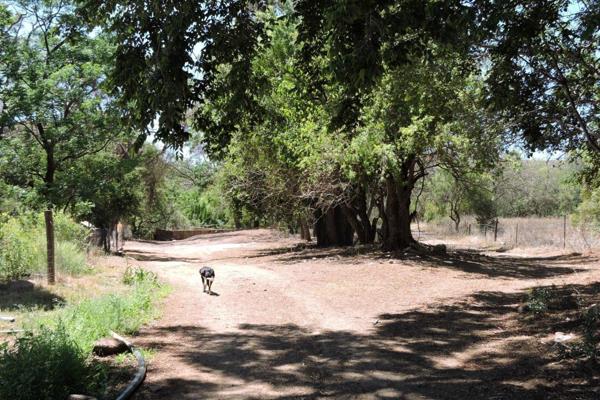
(169, 53)
(55, 108)
(545, 69)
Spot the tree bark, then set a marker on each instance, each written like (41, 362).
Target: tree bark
(398, 234)
(50, 246)
(332, 228)
(304, 230)
(48, 217)
(358, 217)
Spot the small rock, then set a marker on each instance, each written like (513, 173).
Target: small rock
(80, 397)
(109, 346)
(560, 337)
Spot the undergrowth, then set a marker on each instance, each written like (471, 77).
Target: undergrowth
(23, 245)
(53, 357)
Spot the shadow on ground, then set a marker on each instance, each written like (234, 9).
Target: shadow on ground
(469, 261)
(34, 297)
(461, 351)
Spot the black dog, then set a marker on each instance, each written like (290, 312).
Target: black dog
(208, 276)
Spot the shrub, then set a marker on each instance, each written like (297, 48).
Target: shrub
(16, 254)
(538, 300)
(68, 230)
(46, 365)
(133, 276)
(70, 258)
(23, 245)
(52, 359)
(588, 346)
(203, 207)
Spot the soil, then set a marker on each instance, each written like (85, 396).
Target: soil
(290, 321)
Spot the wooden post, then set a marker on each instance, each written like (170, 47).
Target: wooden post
(496, 230)
(516, 235)
(50, 246)
(485, 232)
(564, 231)
(469, 229)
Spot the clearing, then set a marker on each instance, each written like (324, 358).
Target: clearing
(294, 322)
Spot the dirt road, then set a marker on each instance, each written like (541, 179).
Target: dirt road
(293, 323)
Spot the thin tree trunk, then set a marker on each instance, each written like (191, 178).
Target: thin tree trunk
(304, 229)
(355, 223)
(50, 246)
(48, 217)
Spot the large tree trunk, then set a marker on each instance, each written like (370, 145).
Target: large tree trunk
(104, 240)
(358, 217)
(332, 228)
(397, 212)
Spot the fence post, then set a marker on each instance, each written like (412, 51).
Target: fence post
(516, 235)
(496, 230)
(564, 231)
(50, 246)
(469, 229)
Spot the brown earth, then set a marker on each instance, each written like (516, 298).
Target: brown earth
(294, 322)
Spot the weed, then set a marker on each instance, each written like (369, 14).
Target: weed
(16, 256)
(23, 246)
(47, 365)
(538, 300)
(133, 276)
(52, 359)
(588, 346)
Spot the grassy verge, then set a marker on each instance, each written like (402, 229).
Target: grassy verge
(23, 246)
(53, 357)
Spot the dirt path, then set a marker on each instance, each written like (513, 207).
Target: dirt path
(292, 323)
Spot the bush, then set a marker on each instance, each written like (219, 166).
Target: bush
(68, 230)
(23, 245)
(46, 365)
(16, 253)
(203, 208)
(70, 258)
(538, 300)
(133, 276)
(53, 358)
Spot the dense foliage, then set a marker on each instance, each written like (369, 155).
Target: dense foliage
(352, 118)
(22, 245)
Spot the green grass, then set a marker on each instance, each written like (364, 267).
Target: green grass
(53, 357)
(23, 246)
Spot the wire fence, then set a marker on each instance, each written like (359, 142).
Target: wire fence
(555, 232)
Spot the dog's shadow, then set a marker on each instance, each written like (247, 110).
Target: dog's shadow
(214, 294)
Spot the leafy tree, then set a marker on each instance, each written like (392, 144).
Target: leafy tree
(341, 107)
(418, 115)
(55, 109)
(445, 197)
(53, 98)
(168, 55)
(544, 76)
